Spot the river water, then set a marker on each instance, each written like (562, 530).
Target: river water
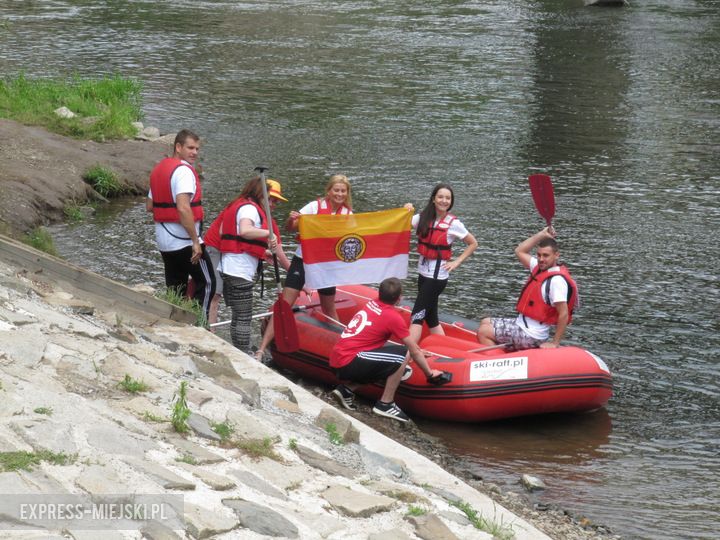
(620, 106)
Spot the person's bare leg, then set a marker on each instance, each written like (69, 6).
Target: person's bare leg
(392, 383)
(486, 332)
(416, 332)
(213, 310)
(437, 330)
(327, 304)
(289, 295)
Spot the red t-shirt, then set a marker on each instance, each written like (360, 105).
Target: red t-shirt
(369, 329)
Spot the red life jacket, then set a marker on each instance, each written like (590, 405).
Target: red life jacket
(164, 208)
(324, 207)
(212, 235)
(434, 245)
(232, 242)
(534, 299)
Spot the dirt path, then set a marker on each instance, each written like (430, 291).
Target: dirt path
(40, 172)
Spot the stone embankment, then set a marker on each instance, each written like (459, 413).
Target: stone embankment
(263, 458)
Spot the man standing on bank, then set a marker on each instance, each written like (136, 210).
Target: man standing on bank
(175, 199)
(547, 300)
(362, 356)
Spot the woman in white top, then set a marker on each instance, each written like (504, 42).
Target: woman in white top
(244, 244)
(436, 229)
(337, 201)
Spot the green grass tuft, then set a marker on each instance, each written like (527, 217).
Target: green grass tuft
(187, 458)
(259, 448)
(104, 181)
(150, 417)
(133, 386)
(40, 239)
(416, 510)
(174, 297)
(44, 410)
(180, 411)
(105, 108)
(223, 429)
(500, 531)
(16, 461)
(333, 435)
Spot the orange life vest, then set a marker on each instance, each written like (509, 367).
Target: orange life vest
(164, 208)
(534, 299)
(435, 245)
(232, 242)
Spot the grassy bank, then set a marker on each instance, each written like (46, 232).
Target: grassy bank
(105, 108)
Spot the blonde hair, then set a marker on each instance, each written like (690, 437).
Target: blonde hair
(340, 179)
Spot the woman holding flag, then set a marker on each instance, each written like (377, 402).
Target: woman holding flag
(337, 201)
(436, 229)
(244, 242)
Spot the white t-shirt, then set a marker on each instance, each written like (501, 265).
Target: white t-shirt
(310, 208)
(173, 236)
(242, 265)
(426, 267)
(558, 293)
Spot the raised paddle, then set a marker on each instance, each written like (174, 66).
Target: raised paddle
(295, 309)
(543, 196)
(286, 335)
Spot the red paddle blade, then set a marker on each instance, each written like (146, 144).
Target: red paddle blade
(543, 196)
(286, 334)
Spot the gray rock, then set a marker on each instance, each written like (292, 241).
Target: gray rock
(101, 480)
(64, 112)
(356, 504)
(92, 535)
(255, 482)
(186, 364)
(447, 495)
(382, 465)
(431, 527)
(248, 389)
(392, 534)
(197, 452)
(116, 441)
(24, 345)
(215, 481)
(138, 126)
(324, 463)
(157, 531)
(456, 517)
(532, 483)
(261, 519)
(46, 435)
(203, 523)
(201, 426)
(343, 426)
(165, 477)
(151, 132)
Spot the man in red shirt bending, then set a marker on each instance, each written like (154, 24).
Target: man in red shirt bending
(363, 357)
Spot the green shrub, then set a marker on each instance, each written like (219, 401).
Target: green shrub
(104, 181)
(180, 411)
(40, 239)
(174, 297)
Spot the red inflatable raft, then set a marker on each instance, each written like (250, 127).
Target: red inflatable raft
(486, 385)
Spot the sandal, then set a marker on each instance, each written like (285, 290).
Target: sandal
(259, 355)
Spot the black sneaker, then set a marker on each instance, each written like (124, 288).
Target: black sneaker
(390, 410)
(345, 396)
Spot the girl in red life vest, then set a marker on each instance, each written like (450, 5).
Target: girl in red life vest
(337, 201)
(244, 233)
(436, 230)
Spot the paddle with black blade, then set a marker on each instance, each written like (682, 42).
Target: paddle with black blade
(543, 196)
(286, 335)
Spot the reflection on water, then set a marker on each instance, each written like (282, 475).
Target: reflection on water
(621, 107)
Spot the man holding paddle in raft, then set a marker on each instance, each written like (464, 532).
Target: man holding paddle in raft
(548, 299)
(362, 356)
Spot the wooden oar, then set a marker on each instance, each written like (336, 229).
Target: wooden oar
(286, 335)
(294, 309)
(543, 196)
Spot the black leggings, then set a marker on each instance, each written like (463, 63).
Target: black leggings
(179, 268)
(426, 304)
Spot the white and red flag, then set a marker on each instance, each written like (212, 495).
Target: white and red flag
(355, 249)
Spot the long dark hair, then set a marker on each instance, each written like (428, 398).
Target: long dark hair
(253, 190)
(428, 216)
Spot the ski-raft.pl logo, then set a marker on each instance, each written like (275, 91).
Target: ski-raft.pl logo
(90, 512)
(499, 369)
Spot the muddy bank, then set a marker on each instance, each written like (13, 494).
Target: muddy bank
(41, 172)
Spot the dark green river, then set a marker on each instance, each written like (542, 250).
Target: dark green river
(620, 106)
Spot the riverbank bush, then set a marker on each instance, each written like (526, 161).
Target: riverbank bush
(41, 239)
(105, 108)
(104, 181)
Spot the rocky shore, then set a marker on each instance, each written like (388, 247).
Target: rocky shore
(60, 349)
(263, 457)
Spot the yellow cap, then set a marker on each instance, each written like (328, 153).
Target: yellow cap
(274, 189)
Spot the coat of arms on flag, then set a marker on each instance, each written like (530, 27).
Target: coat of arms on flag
(354, 249)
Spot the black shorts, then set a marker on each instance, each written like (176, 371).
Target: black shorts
(373, 366)
(296, 278)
